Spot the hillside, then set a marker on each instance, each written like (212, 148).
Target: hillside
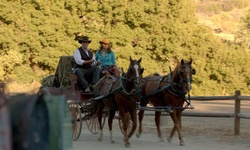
(34, 34)
(223, 17)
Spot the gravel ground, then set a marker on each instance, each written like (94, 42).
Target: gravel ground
(206, 133)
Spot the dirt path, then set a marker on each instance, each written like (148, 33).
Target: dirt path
(204, 133)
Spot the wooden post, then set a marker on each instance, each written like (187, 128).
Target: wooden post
(236, 112)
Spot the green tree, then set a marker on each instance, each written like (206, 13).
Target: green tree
(35, 33)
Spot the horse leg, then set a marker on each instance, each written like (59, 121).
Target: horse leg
(144, 103)
(99, 115)
(173, 130)
(178, 115)
(123, 114)
(134, 122)
(175, 116)
(141, 115)
(157, 123)
(110, 122)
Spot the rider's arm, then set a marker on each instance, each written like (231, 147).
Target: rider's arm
(78, 58)
(95, 62)
(113, 58)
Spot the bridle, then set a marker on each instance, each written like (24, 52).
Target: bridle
(183, 81)
(137, 79)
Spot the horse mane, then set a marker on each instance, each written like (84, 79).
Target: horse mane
(156, 74)
(175, 71)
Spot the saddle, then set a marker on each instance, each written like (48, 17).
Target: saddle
(110, 70)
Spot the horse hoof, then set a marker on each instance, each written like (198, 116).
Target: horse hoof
(162, 140)
(169, 140)
(138, 135)
(99, 139)
(127, 145)
(182, 144)
(112, 141)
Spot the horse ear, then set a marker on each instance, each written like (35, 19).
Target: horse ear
(182, 61)
(191, 60)
(142, 70)
(156, 74)
(130, 59)
(139, 61)
(193, 71)
(122, 70)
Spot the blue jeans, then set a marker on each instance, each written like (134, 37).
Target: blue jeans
(91, 72)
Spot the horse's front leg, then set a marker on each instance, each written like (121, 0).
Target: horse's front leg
(133, 118)
(178, 116)
(140, 117)
(99, 115)
(177, 126)
(110, 122)
(157, 123)
(123, 116)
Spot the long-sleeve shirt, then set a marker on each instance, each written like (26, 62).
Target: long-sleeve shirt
(108, 60)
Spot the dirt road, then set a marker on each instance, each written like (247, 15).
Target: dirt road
(200, 133)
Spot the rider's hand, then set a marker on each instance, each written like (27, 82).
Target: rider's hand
(98, 63)
(92, 60)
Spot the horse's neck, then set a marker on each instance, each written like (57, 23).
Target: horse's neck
(175, 79)
(128, 84)
(175, 76)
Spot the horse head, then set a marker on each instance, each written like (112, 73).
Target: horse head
(134, 74)
(182, 75)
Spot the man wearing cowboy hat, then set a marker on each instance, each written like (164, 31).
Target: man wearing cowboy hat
(86, 64)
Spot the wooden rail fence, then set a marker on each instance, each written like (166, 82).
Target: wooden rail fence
(237, 109)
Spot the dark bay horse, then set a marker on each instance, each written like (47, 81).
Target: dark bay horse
(122, 94)
(167, 93)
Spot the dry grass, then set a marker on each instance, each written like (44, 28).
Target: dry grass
(15, 87)
(224, 15)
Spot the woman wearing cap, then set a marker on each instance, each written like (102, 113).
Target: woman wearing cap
(107, 58)
(86, 66)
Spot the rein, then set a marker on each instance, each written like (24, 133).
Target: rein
(124, 90)
(172, 91)
(120, 88)
(135, 90)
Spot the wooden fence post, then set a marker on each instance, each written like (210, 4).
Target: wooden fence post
(236, 112)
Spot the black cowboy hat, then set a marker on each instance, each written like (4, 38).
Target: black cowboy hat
(84, 39)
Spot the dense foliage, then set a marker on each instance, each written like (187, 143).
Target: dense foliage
(35, 33)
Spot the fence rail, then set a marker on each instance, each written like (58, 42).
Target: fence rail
(237, 109)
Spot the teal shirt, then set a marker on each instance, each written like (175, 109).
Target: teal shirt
(108, 60)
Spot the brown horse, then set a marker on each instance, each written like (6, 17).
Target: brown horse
(167, 93)
(110, 70)
(122, 94)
